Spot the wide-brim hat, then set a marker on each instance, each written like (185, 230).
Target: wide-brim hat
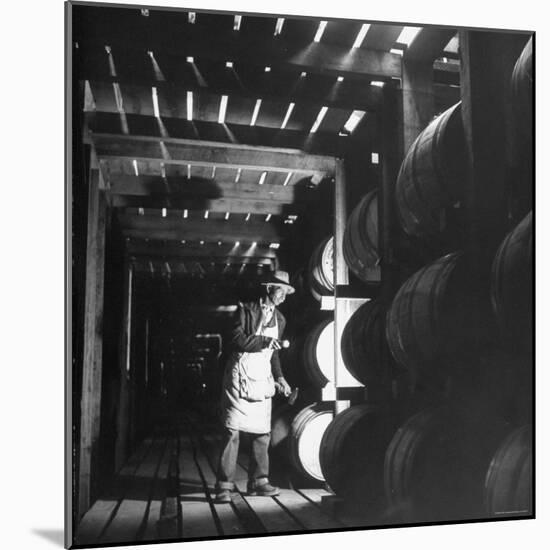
(278, 278)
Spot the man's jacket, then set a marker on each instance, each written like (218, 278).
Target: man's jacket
(243, 337)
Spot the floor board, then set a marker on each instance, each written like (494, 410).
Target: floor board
(131, 513)
(167, 490)
(98, 517)
(197, 519)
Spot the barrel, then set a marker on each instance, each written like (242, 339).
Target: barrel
(352, 453)
(521, 86)
(422, 467)
(438, 313)
(508, 485)
(364, 346)
(321, 270)
(432, 176)
(306, 432)
(318, 354)
(435, 464)
(511, 286)
(360, 244)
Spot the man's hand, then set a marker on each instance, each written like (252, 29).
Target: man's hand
(274, 344)
(282, 386)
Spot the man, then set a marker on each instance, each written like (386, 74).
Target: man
(252, 375)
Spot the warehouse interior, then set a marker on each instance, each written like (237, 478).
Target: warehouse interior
(389, 170)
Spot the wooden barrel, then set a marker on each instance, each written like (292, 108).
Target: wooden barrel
(306, 432)
(321, 269)
(318, 354)
(352, 453)
(521, 86)
(360, 245)
(414, 475)
(432, 176)
(436, 462)
(508, 485)
(437, 314)
(364, 345)
(511, 285)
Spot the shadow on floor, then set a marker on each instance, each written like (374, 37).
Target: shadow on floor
(56, 536)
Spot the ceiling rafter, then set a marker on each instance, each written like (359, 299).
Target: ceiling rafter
(174, 229)
(199, 42)
(201, 153)
(318, 143)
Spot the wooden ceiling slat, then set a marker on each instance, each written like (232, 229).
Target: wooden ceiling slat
(104, 96)
(239, 110)
(429, 43)
(172, 151)
(341, 33)
(300, 30)
(215, 21)
(382, 37)
(258, 27)
(335, 119)
(206, 107)
(272, 114)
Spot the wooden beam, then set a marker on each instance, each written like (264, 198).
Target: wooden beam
(200, 42)
(418, 99)
(216, 206)
(391, 157)
(429, 43)
(177, 229)
(359, 95)
(123, 413)
(321, 143)
(341, 272)
(195, 250)
(202, 153)
(90, 409)
(157, 186)
(143, 263)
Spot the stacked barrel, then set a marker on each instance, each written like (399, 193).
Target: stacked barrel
(458, 445)
(451, 324)
(297, 428)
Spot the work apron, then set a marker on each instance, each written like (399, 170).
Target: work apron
(240, 413)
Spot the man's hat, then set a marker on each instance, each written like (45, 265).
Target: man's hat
(278, 278)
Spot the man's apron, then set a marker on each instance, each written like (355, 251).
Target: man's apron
(239, 413)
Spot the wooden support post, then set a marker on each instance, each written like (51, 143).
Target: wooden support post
(418, 99)
(392, 155)
(341, 277)
(341, 273)
(487, 62)
(93, 345)
(121, 448)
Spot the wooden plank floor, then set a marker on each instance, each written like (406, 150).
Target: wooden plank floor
(166, 490)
